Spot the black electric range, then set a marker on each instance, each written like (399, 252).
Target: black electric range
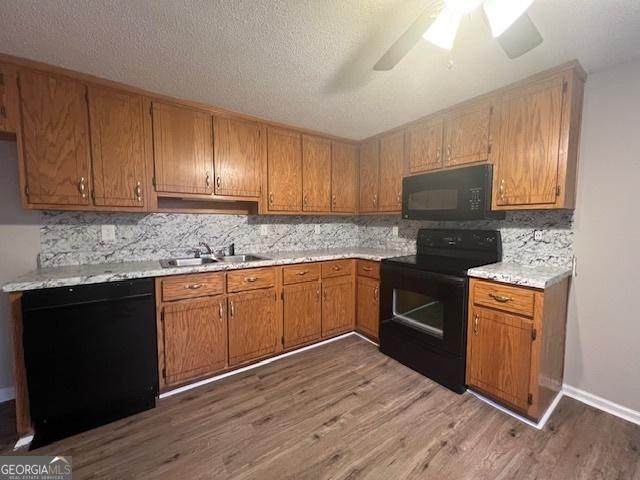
(423, 301)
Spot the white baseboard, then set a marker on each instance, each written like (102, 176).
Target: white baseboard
(7, 393)
(251, 367)
(602, 404)
(541, 423)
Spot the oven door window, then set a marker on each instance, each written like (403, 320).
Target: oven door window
(418, 311)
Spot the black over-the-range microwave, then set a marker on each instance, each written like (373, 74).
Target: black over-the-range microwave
(458, 194)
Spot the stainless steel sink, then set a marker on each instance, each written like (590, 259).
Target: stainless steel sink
(187, 262)
(241, 258)
(196, 261)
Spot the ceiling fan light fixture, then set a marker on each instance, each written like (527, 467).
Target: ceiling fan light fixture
(444, 28)
(501, 14)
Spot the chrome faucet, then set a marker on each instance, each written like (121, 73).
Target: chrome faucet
(207, 247)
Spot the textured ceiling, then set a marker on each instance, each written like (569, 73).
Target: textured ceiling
(305, 62)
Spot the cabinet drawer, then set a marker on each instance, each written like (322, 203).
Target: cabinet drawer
(337, 268)
(192, 286)
(251, 279)
(367, 268)
(503, 297)
(301, 273)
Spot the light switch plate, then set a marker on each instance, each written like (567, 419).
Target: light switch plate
(395, 231)
(537, 235)
(316, 230)
(108, 233)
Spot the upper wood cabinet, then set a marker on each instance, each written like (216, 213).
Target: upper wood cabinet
(301, 313)
(55, 139)
(252, 325)
(183, 149)
(536, 153)
(195, 339)
(284, 170)
(343, 177)
(468, 133)
(239, 152)
(423, 145)
(117, 147)
(316, 174)
(391, 171)
(8, 99)
(369, 176)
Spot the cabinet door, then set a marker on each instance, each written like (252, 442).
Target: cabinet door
(391, 170)
(369, 176)
(343, 177)
(368, 306)
(316, 174)
(8, 98)
(238, 155)
(423, 145)
(55, 136)
(338, 305)
(284, 170)
(117, 147)
(499, 355)
(195, 339)
(469, 134)
(252, 325)
(183, 149)
(302, 313)
(526, 171)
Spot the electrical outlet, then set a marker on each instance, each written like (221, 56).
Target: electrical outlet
(264, 230)
(394, 231)
(108, 233)
(574, 266)
(316, 230)
(537, 235)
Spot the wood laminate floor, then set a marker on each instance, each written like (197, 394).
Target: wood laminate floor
(344, 410)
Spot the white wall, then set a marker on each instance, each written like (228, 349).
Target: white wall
(19, 247)
(603, 342)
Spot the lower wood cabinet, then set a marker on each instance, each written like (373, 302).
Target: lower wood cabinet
(253, 331)
(302, 312)
(338, 302)
(368, 306)
(195, 339)
(515, 344)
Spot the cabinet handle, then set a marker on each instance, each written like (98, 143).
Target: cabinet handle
(220, 310)
(303, 272)
(304, 200)
(324, 295)
(367, 269)
(438, 153)
(336, 268)
(250, 279)
(3, 111)
(399, 198)
(138, 191)
(333, 200)
(375, 293)
(318, 295)
(232, 309)
(375, 200)
(475, 325)
(500, 298)
(448, 152)
(194, 286)
(82, 187)
(218, 181)
(502, 189)
(271, 198)
(207, 180)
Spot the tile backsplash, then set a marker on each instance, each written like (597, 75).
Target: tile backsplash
(71, 238)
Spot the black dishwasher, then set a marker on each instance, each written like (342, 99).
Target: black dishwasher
(90, 355)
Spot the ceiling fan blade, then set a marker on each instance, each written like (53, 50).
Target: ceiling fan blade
(408, 39)
(520, 37)
(443, 30)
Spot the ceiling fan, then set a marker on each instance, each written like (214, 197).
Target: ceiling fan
(438, 24)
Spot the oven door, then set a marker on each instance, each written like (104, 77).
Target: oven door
(423, 307)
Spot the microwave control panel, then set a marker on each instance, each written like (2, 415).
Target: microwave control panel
(475, 198)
